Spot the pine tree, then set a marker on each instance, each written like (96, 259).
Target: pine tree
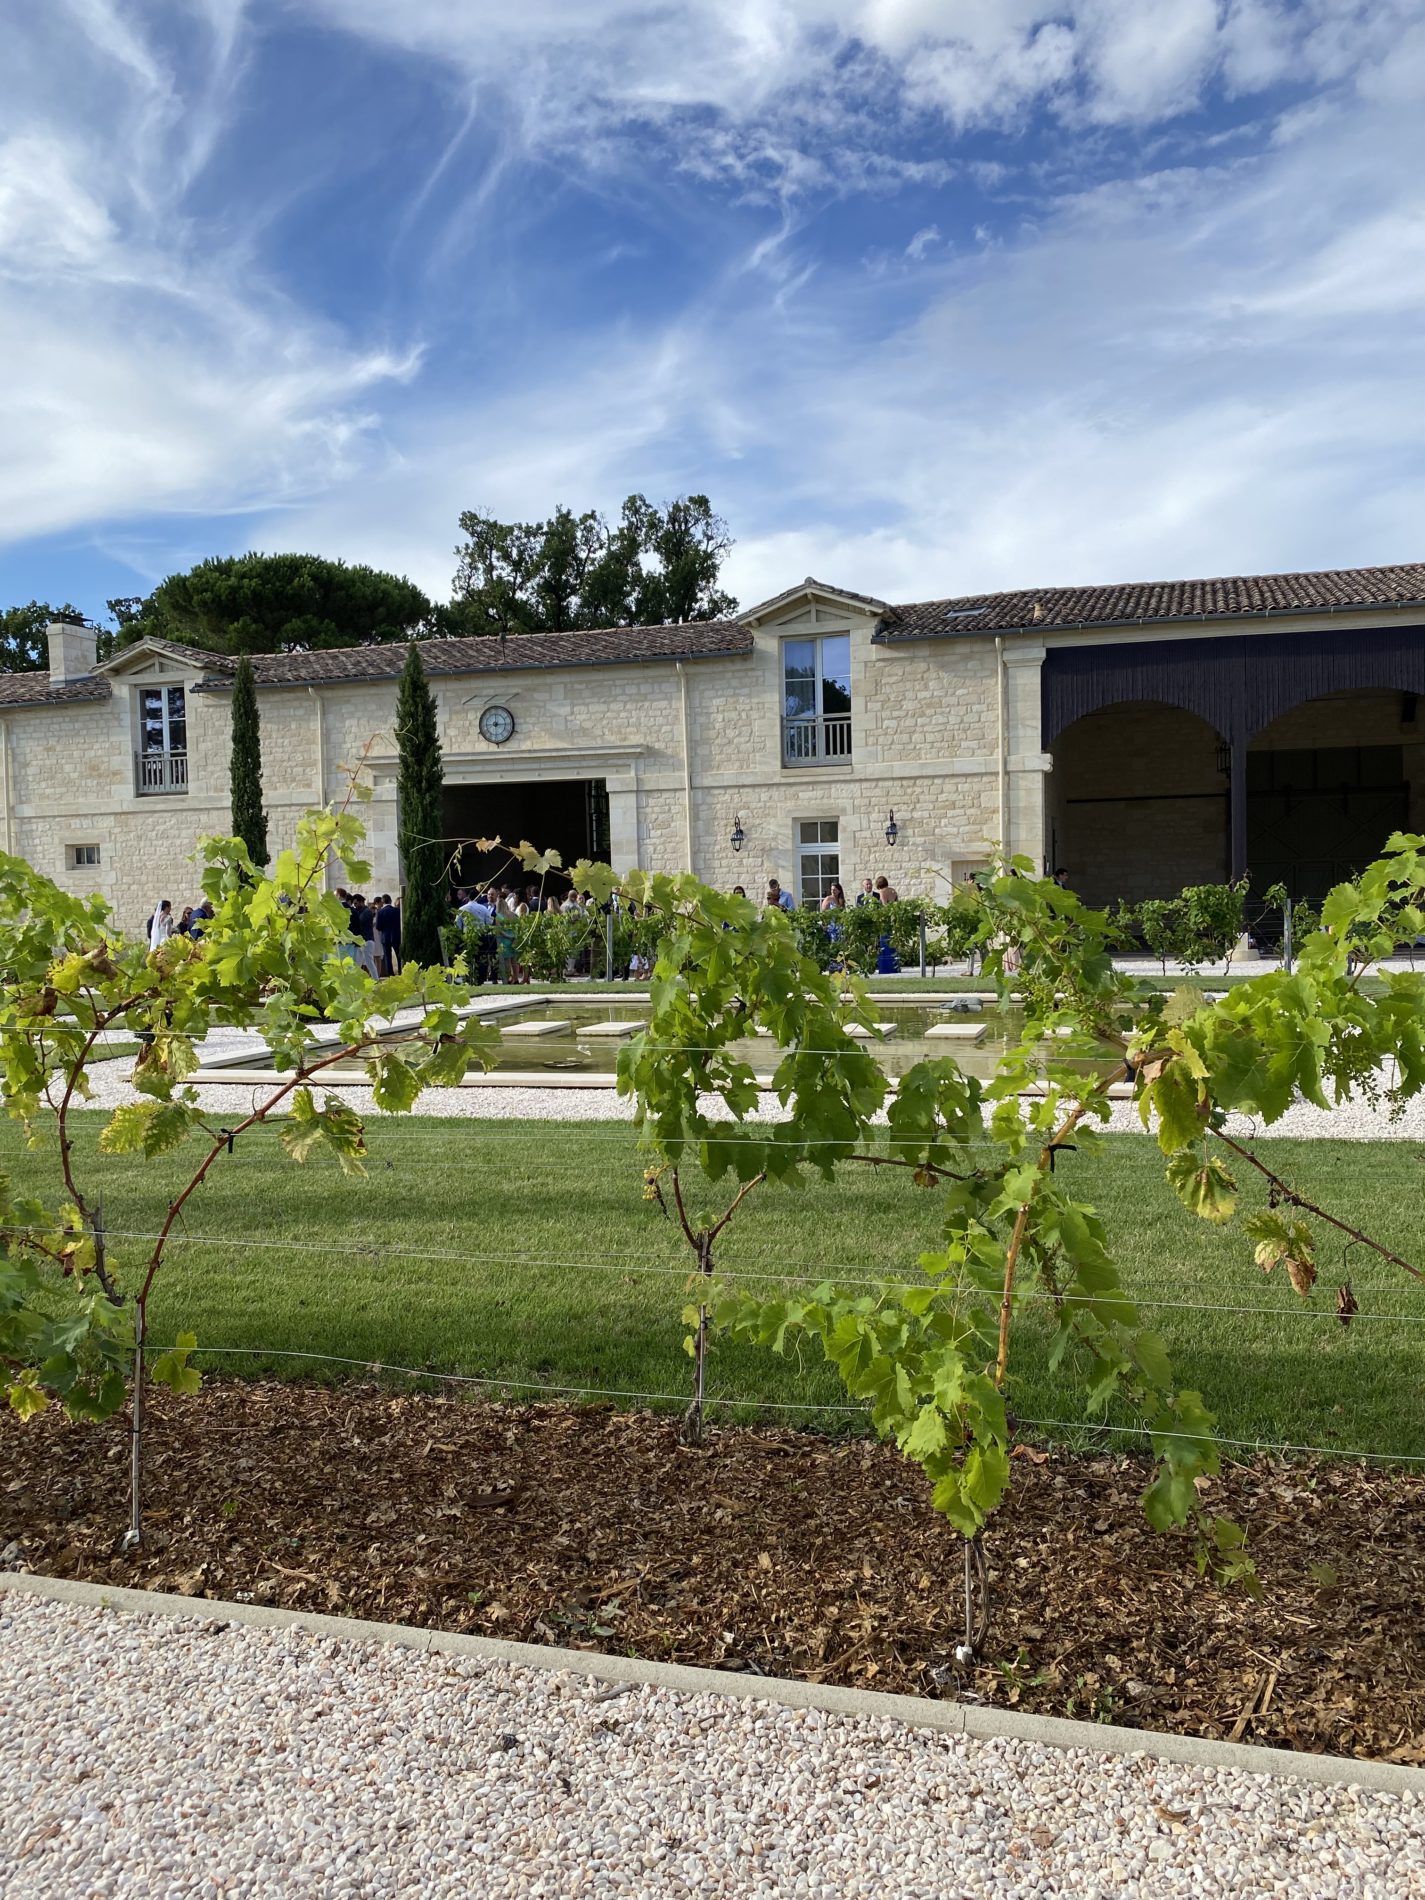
(420, 782)
(245, 781)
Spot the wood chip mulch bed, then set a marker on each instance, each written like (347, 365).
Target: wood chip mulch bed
(768, 1550)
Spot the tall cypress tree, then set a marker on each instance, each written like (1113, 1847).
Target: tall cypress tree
(245, 778)
(420, 782)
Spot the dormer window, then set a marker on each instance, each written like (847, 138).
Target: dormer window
(161, 762)
(816, 700)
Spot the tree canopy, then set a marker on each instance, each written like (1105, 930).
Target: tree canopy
(275, 603)
(23, 647)
(652, 565)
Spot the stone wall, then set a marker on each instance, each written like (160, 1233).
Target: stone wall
(1133, 803)
(925, 737)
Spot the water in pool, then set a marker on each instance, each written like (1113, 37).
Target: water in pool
(577, 1037)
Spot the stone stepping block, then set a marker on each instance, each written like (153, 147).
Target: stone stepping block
(534, 1029)
(612, 1029)
(881, 1031)
(959, 1032)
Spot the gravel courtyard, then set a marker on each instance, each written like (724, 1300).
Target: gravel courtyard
(145, 1756)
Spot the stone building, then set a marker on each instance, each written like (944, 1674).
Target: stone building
(1142, 736)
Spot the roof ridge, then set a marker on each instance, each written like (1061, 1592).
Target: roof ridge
(1126, 603)
(1188, 580)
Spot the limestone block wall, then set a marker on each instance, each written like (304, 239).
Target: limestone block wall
(925, 732)
(924, 738)
(71, 782)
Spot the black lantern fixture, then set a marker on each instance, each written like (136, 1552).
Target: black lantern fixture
(893, 830)
(739, 836)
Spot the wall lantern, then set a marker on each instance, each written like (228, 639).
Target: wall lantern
(739, 836)
(1224, 760)
(893, 830)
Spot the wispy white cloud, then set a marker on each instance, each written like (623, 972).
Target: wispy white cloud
(1173, 350)
(1202, 369)
(581, 66)
(146, 369)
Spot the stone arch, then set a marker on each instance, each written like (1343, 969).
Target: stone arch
(1138, 801)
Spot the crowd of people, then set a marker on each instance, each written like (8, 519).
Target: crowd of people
(189, 923)
(489, 918)
(376, 926)
(489, 915)
(873, 891)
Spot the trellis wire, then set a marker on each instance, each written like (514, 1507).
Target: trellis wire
(487, 1381)
(620, 1264)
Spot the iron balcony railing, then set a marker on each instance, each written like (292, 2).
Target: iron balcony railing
(817, 740)
(160, 772)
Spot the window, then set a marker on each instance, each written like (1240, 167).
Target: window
(161, 763)
(816, 699)
(818, 857)
(82, 856)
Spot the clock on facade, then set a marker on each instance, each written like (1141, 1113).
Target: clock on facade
(497, 723)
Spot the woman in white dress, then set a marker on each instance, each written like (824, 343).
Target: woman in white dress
(160, 925)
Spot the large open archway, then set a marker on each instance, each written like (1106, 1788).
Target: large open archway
(1138, 802)
(1327, 783)
(570, 816)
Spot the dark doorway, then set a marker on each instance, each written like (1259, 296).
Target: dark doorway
(1316, 817)
(570, 816)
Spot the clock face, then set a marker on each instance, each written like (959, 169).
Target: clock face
(496, 724)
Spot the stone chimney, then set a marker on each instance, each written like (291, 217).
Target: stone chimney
(73, 651)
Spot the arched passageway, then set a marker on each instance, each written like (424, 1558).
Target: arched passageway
(1137, 802)
(1327, 783)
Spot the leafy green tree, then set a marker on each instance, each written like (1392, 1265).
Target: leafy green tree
(74, 1297)
(23, 647)
(245, 772)
(576, 571)
(420, 807)
(276, 603)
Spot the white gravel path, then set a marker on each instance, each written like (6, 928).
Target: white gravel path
(147, 1757)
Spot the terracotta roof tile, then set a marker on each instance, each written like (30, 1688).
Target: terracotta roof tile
(1154, 602)
(34, 689)
(610, 646)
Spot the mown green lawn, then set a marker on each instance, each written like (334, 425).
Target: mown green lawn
(525, 1252)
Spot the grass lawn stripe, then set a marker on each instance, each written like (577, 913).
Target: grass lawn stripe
(498, 1253)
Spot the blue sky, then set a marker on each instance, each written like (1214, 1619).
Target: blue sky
(930, 296)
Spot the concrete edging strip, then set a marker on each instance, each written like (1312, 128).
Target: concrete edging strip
(950, 1718)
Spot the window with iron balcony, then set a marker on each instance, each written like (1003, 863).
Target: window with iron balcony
(161, 762)
(816, 700)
